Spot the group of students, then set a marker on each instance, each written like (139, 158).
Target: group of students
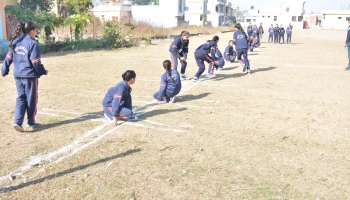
(277, 33)
(24, 53)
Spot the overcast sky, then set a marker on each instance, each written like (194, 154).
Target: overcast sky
(311, 5)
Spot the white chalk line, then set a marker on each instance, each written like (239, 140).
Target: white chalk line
(71, 112)
(49, 156)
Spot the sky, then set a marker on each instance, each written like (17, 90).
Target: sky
(311, 5)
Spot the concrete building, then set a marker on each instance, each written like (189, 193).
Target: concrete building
(196, 12)
(113, 10)
(291, 11)
(216, 16)
(335, 19)
(169, 13)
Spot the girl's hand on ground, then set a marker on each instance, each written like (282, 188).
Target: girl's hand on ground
(115, 122)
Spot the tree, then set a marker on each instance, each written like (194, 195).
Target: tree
(79, 21)
(36, 5)
(78, 6)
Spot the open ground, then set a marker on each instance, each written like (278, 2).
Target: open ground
(282, 132)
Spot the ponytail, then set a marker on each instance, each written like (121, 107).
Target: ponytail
(167, 67)
(127, 76)
(22, 28)
(16, 33)
(239, 26)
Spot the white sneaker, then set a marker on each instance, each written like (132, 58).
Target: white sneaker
(184, 77)
(196, 79)
(172, 99)
(18, 128)
(133, 118)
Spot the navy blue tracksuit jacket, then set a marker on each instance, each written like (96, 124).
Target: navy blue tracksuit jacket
(220, 62)
(230, 54)
(27, 69)
(201, 55)
(240, 40)
(178, 49)
(276, 32)
(118, 102)
(271, 34)
(167, 87)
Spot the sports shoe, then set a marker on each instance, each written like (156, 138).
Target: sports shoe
(184, 77)
(220, 68)
(248, 71)
(133, 118)
(172, 99)
(18, 128)
(210, 75)
(244, 68)
(348, 68)
(108, 117)
(31, 125)
(195, 79)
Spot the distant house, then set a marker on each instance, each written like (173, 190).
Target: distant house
(169, 13)
(3, 32)
(216, 16)
(335, 19)
(113, 10)
(291, 11)
(196, 12)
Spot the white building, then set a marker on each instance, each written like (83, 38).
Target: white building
(196, 12)
(291, 11)
(169, 13)
(217, 12)
(335, 19)
(113, 10)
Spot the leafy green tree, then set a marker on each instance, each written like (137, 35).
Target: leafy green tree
(36, 5)
(78, 6)
(79, 21)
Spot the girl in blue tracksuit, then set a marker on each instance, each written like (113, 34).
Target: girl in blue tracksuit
(257, 42)
(251, 43)
(240, 40)
(170, 84)
(271, 30)
(25, 54)
(289, 33)
(255, 31)
(250, 30)
(219, 62)
(117, 103)
(179, 50)
(230, 53)
(282, 32)
(201, 55)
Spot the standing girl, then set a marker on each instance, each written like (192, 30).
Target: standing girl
(271, 34)
(289, 34)
(25, 54)
(117, 102)
(179, 50)
(261, 31)
(230, 54)
(170, 84)
(201, 55)
(282, 32)
(250, 29)
(240, 40)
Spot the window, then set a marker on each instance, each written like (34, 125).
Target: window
(294, 18)
(300, 18)
(248, 20)
(180, 5)
(201, 17)
(216, 8)
(263, 16)
(268, 16)
(274, 18)
(102, 17)
(287, 9)
(339, 17)
(254, 20)
(107, 3)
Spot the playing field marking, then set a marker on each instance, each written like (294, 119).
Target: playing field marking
(56, 115)
(74, 147)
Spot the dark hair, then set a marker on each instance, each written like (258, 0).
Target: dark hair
(128, 75)
(230, 41)
(167, 67)
(239, 26)
(184, 33)
(215, 38)
(22, 28)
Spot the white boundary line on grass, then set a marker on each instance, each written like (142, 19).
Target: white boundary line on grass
(73, 147)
